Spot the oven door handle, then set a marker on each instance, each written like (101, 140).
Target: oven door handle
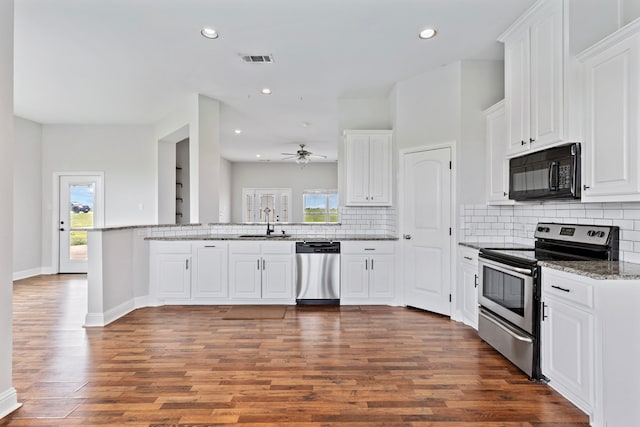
(506, 329)
(524, 271)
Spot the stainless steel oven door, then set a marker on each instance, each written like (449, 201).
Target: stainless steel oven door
(508, 292)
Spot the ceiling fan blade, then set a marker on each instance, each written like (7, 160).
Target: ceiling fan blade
(289, 154)
(290, 157)
(317, 155)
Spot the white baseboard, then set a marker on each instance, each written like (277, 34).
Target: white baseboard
(92, 320)
(8, 402)
(119, 311)
(25, 274)
(48, 270)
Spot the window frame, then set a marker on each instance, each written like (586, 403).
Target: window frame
(255, 193)
(327, 212)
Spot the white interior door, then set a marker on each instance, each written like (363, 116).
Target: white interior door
(79, 209)
(426, 217)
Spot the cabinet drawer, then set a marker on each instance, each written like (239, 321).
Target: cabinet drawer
(567, 289)
(368, 247)
(468, 255)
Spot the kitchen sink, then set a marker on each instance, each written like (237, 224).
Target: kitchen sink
(260, 236)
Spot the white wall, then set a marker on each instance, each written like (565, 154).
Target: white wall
(205, 158)
(482, 86)
(428, 108)
(446, 105)
(27, 199)
(8, 397)
(363, 113)
(127, 156)
(280, 175)
(225, 190)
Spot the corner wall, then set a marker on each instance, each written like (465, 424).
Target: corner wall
(8, 395)
(27, 199)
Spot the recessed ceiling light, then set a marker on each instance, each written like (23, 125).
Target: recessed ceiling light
(427, 33)
(209, 33)
(258, 155)
(238, 131)
(266, 91)
(305, 124)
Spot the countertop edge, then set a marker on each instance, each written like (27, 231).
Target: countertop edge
(272, 239)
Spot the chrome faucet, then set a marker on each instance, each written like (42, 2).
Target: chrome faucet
(270, 228)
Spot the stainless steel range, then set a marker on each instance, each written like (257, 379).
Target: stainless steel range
(509, 296)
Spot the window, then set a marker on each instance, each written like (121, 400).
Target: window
(256, 200)
(320, 205)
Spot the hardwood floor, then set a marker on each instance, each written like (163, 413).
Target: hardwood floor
(185, 366)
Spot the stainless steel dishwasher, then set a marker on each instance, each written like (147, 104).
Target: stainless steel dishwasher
(318, 273)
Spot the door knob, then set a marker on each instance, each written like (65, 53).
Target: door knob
(407, 236)
(62, 229)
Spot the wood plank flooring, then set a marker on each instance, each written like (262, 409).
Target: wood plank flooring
(335, 366)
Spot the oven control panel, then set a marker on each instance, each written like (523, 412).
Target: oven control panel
(593, 234)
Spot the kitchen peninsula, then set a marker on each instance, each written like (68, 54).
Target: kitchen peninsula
(123, 270)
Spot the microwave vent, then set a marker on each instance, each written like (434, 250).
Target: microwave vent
(258, 59)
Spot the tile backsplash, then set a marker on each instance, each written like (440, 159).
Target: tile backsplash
(378, 221)
(516, 224)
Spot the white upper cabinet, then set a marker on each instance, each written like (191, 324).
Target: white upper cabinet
(534, 78)
(497, 163)
(368, 172)
(611, 127)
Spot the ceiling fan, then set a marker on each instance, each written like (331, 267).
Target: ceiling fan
(302, 156)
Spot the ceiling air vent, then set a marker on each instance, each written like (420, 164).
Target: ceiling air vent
(258, 59)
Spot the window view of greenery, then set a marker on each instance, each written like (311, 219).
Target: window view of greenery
(320, 206)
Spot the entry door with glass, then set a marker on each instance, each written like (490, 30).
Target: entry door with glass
(78, 212)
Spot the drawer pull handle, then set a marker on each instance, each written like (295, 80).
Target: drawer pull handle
(469, 258)
(369, 249)
(209, 246)
(560, 289)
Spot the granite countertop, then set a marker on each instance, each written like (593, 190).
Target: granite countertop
(599, 270)
(493, 245)
(297, 238)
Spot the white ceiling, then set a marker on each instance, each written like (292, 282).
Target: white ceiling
(136, 61)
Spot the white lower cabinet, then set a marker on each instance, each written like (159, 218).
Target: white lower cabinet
(261, 270)
(188, 271)
(170, 270)
(590, 351)
(367, 272)
(209, 273)
(468, 285)
(568, 338)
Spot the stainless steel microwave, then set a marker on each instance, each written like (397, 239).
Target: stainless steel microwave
(553, 173)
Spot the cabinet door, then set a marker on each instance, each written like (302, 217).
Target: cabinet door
(517, 98)
(210, 271)
(380, 170)
(497, 163)
(357, 169)
(382, 276)
(612, 134)
(354, 282)
(173, 275)
(469, 272)
(245, 271)
(277, 276)
(568, 351)
(546, 82)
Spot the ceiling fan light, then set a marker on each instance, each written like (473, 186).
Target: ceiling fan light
(302, 160)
